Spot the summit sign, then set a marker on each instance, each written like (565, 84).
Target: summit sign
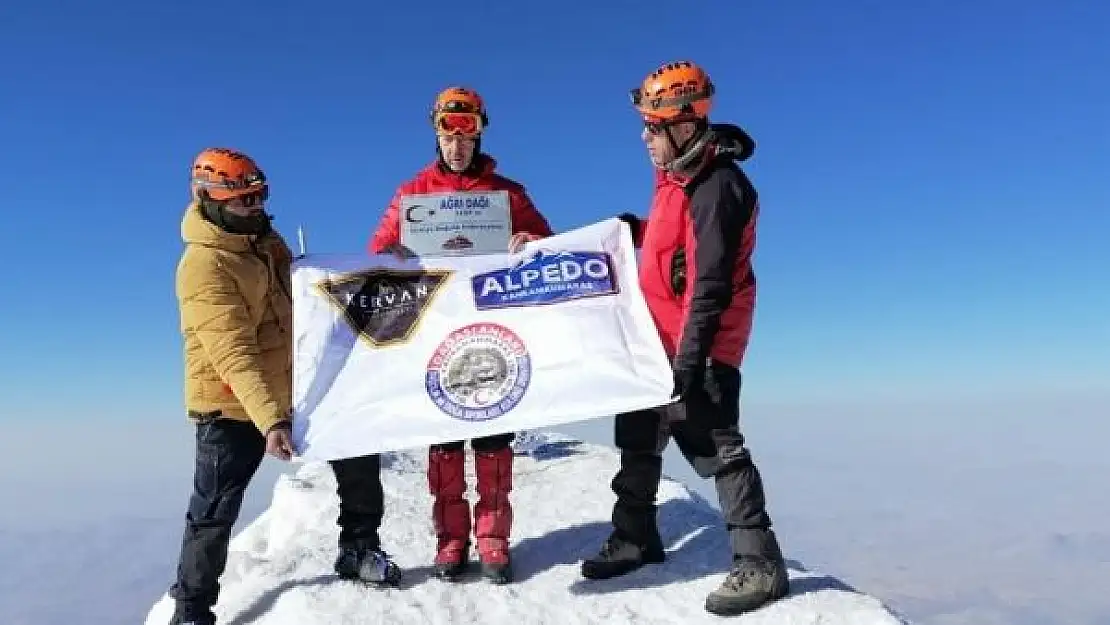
(456, 223)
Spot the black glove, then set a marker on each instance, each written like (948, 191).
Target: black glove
(687, 379)
(633, 223)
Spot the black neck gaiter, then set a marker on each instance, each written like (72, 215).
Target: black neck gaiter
(235, 224)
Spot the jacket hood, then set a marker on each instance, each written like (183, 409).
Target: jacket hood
(732, 140)
(718, 141)
(196, 229)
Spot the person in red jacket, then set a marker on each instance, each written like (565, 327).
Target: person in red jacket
(459, 118)
(697, 279)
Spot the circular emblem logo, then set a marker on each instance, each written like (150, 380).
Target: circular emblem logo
(479, 372)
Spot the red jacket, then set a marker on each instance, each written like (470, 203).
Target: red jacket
(436, 179)
(696, 255)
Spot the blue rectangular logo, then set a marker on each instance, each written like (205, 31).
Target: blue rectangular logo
(546, 278)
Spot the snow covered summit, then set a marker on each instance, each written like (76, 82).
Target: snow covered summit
(280, 567)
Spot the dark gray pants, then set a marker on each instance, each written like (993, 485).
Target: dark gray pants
(705, 427)
(228, 453)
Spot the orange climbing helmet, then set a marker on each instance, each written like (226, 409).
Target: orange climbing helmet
(222, 174)
(675, 92)
(459, 111)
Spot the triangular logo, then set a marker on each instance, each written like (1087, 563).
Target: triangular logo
(384, 306)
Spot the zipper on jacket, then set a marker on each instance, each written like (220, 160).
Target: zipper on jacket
(271, 269)
(676, 275)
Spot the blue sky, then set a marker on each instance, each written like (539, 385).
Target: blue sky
(933, 177)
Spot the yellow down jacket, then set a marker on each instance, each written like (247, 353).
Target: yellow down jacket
(236, 321)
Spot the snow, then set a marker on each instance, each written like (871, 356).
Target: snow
(280, 566)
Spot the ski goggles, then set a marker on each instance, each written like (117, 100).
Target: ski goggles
(223, 189)
(254, 194)
(466, 124)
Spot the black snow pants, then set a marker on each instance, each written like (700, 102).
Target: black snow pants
(705, 426)
(361, 500)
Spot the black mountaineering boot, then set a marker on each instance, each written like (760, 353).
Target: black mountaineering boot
(368, 565)
(619, 557)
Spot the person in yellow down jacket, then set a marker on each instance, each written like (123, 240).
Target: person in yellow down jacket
(233, 289)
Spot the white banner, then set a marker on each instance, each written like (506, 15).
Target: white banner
(392, 354)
